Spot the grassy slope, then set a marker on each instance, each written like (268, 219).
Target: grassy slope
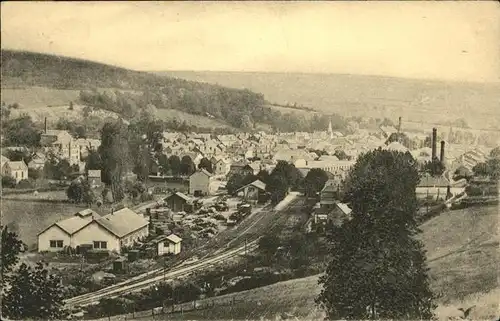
(462, 251)
(45, 84)
(377, 96)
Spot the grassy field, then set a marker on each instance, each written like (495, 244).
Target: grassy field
(193, 120)
(41, 102)
(36, 97)
(462, 253)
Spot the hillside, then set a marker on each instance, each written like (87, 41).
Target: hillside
(375, 96)
(37, 80)
(462, 255)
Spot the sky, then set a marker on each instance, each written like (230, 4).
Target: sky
(430, 40)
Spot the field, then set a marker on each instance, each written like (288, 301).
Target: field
(41, 102)
(193, 120)
(28, 217)
(36, 97)
(462, 254)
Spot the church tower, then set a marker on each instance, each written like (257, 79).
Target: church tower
(330, 130)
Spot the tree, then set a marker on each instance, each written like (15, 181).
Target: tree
(33, 294)
(378, 266)
(314, 182)
(114, 154)
(277, 187)
(263, 175)
(495, 152)
(269, 244)
(341, 155)
(175, 165)
(93, 160)
(187, 166)
(79, 191)
(290, 173)
(163, 164)
(8, 181)
(34, 173)
(206, 164)
(434, 167)
(234, 182)
(21, 131)
(11, 247)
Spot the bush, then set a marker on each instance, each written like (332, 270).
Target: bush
(25, 184)
(8, 182)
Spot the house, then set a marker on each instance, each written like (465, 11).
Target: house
(37, 161)
(94, 177)
(330, 192)
(239, 168)
(222, 167)
(107, 233)
(17, 170)
(178, 202)
(62, 144)
(255, 191)
(168, 244)
(438, 187)
(334, 215)
(200, 183)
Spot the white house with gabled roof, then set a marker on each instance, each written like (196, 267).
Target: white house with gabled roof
(108, 233)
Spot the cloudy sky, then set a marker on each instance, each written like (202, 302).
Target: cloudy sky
(446, 40)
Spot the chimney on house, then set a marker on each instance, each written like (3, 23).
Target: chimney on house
(433, 142)
(45, 127)
(441, 158)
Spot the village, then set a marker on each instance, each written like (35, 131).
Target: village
(226, 186)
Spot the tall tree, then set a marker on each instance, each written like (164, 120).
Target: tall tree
(175, 165)
(163, 164)
(187, 166)
(378, 267)
(206, 164)
(115, 156)
(314, 181)
(11, 247)
(277, 186)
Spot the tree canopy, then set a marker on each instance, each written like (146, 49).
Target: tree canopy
(314, 181)
(378, 268)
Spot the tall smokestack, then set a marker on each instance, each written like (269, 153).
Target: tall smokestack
(441, 158)
(45, 125)
(433, 142)
(399, 125)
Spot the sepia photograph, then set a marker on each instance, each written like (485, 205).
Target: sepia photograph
(250, 160)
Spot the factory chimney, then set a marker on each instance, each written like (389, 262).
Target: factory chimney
(45, 125)
(433, 142)
(399, 125)
(441, 158)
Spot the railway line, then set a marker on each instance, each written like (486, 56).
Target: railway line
(228, 249)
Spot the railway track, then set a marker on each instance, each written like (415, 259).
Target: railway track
(150, 278)
(158, 276)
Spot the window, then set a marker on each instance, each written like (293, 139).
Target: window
(56, 243)
(100, 245)
(22, 174)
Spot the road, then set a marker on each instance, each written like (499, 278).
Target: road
(232, 244)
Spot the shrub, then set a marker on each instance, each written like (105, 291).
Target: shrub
(8, 181)
(25, 184)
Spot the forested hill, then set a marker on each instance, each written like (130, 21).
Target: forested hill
(126, 92)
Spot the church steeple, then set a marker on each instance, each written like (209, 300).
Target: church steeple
(330, 130)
